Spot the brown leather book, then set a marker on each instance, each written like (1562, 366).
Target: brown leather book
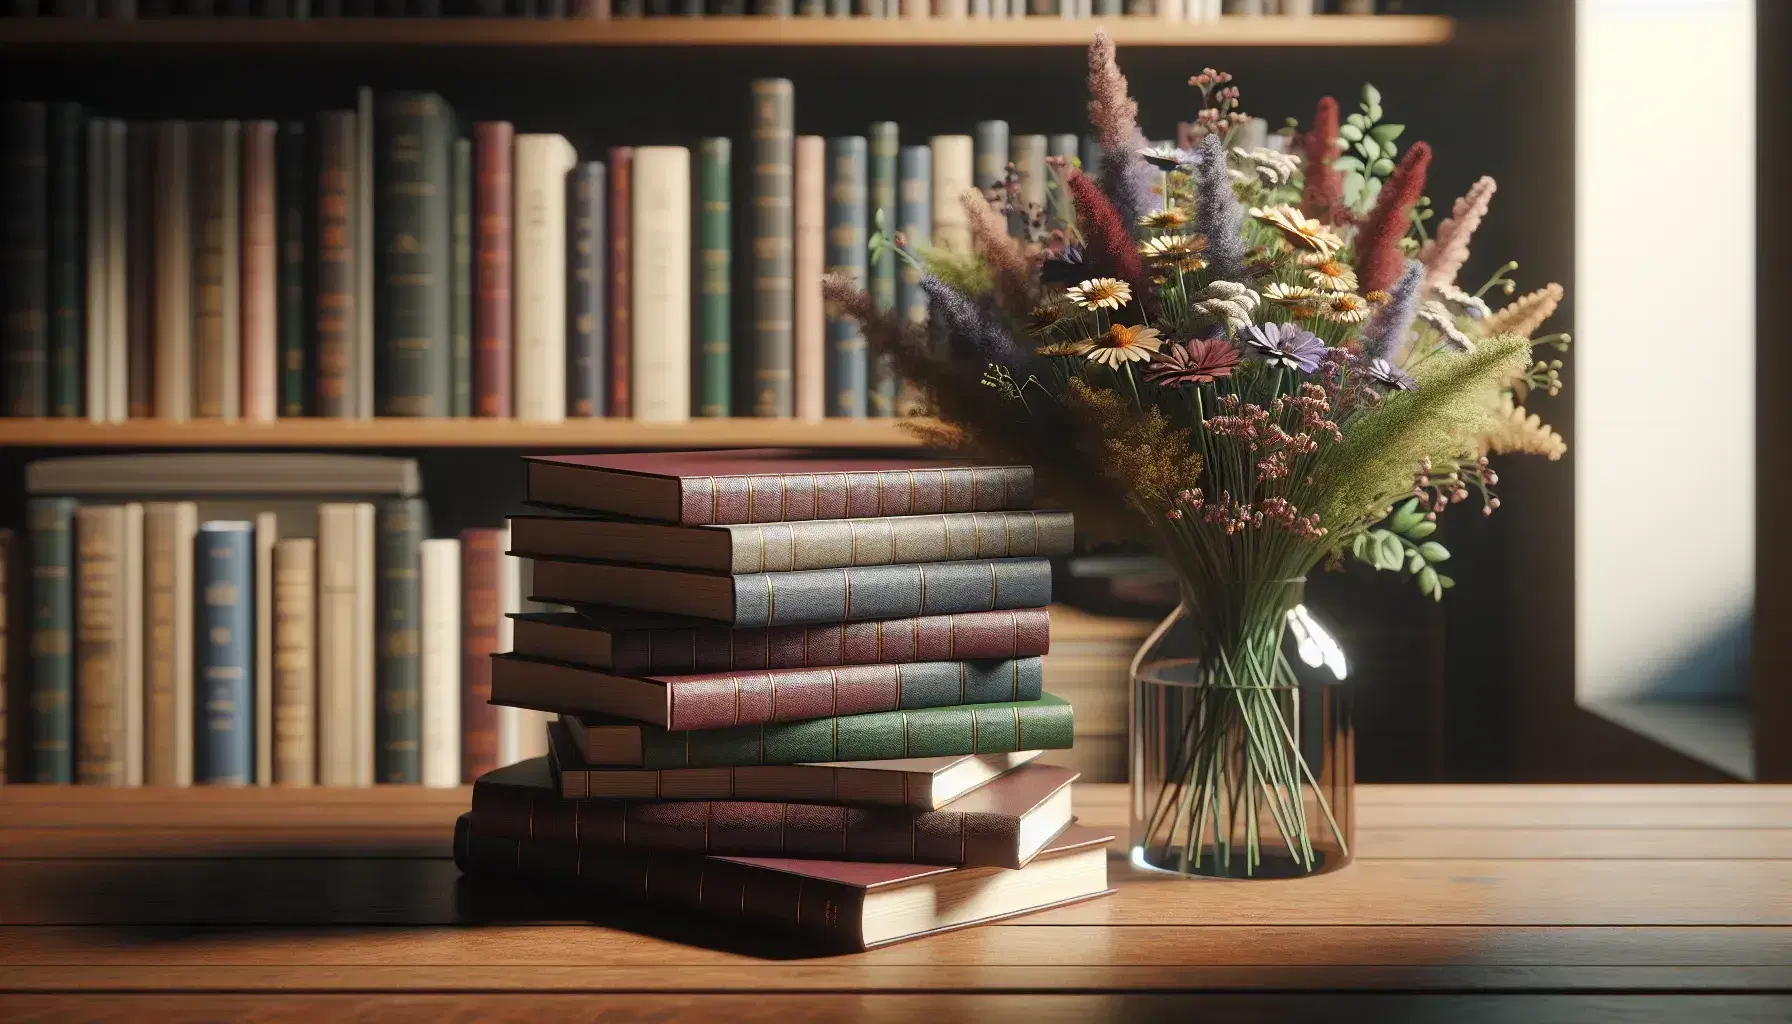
(1003, 824)
(837, 904)
(622, 334)
(337, 318)
(481, 551)
(294, 754)
(770, 485)
(723, 700)
(493, 203)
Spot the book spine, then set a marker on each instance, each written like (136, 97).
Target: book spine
(78, 381)
(914, 220)
(662, 283)
(411, 230)
(361, 380)
(809, 259)
(715, 254)
(295, 662)
(846, 362)
(539, 281)
(67, 366)
(260, 256)
(267, 535)
(224, 567)
(113, 400)
(771, 270)
(794, 497)
(864, 593)
(954, 171)
(930, 732)
(1023, 633)
(954, 537)
(587, 392)
(398, 683)
(99, 645)
(492, 198)
(1062, 150)
(217, 340)
(480, 553)
(460, 283)
(621, 265)
(825, 912)
(439, 659)
(989, 159)
(169, 532)
(336, 573)
(139, 272)
(174, 272)
(364, 644)
(52, 638)
(335, 275)
(1027, 154)
(291, 191)
(885, 143)
(726, 700)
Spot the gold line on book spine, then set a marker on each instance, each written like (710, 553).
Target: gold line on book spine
(771, 603)
(961, 682)
(846, 575)
(921, 574)
(708, 805)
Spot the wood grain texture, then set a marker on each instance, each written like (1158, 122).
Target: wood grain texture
(464, 433)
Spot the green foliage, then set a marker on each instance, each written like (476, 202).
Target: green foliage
(1402, 545)
(962, 272)
(1370, 151)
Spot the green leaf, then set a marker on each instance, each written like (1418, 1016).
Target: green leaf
(1414, 561)
(1393, 553)
(1433, 551)
(1369, 148)
(1371, 95)
(1356, 545)
(1354, 184)
(1387, 132)
(1356, 121)
(1371, 189)
(1347, 163)
(1422, 530)
(1350, 132)
(1445, 581)
(1427, 580)
(1374, 112)
(1382, 168)
(1406, 516)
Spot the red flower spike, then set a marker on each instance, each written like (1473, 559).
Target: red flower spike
(1379, 261)
(1108, 246)
(1323, 194)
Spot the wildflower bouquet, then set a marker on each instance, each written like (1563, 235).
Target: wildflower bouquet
(1259, 360)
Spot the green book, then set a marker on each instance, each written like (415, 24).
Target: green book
(460, 284)
(715, 367)
(773, 152)
(1044, 724)
(292, 195)
(52, 639)
(885, 146)
(68, 294)
(398, 671)
(411, 254)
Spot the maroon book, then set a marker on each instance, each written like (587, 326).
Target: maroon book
(336, 315)
(840, 904)
(638, 644)
(480, 551)
(621, 339)
(492, 217)
(1002, 824)
(769, 485)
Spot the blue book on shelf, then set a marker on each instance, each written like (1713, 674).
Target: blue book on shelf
(847, 256)
(224, 653)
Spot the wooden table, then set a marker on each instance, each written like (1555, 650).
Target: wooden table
(1467, 903)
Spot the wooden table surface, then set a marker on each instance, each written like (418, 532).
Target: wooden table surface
(1466, 903)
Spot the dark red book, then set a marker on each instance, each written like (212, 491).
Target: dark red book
(639, 644)
(480, 554)
(337, 318)
(839, 904)
(769, 485)
(493, 203)
(622, 163)
(1002, 824)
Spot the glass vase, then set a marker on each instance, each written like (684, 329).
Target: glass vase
(1242, 756)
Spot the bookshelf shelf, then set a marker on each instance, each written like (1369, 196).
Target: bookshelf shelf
(1323, 30)
(460, 433)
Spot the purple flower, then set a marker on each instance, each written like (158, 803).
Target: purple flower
(1390, 376)
(1065, 268)
(1286, 345)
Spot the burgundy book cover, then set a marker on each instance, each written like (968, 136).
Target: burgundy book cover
(480, 551)
(492, 217)
(642, 644)
(980, 829)
(768, 485)
(621, 341)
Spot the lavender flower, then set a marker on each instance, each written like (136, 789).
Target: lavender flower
(1286, 345)
(974, 330)
(1066, 268)
(1218, 216)
(1390, 376)
(1386, 331)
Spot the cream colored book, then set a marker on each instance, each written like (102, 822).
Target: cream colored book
(439, 661)
(294, 756)
(257, 305)
(660, 283)
(98, 268)
(117, 375)
(538, 286)
(952, 175)
(522, 732)
(132, 632)
(267, 534)
(173, 273)
(809, 185)
(361, 374)
(108, 606)
(363, 663)
(169, 529)
(345, 644)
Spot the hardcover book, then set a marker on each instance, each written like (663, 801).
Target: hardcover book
(990, 155)
(587, 242)
(722, 700)
(913, 216)
(108, 677)
(838, 904)
(538, 279)
(661, 276)
(773, 150)
(60, 310)
(857, 594)
(815, 544)
(847, 373)
(768, 485)
(882, 177)
(809, 331)
(292, 161)
(482, 553)
(1002, 824)
(953, 173)
(924, 783)
(398, 682)
(224, 656)
(493, 196)
(460, 283)
(217, 320)
(633, 643)
(140, 263)
(337, 314)
(169, 530)
(173, 373)
(715, 275)
(259, 262)
(620, 290)
(294, 757)
(439, 661)
(1043, 724)
(52, 544)
(412, 226)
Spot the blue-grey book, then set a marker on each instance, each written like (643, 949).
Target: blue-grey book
(847, 373)
(224, 653)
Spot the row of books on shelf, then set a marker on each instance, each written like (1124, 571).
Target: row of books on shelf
(375, 261)
(1179, 10)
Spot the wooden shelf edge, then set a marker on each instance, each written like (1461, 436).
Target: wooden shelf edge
(1319, 30)
(456, 433)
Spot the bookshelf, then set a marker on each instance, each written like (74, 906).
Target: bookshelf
(455, 433)
(1318, 31)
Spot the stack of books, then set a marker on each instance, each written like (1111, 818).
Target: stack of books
(805, 693)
